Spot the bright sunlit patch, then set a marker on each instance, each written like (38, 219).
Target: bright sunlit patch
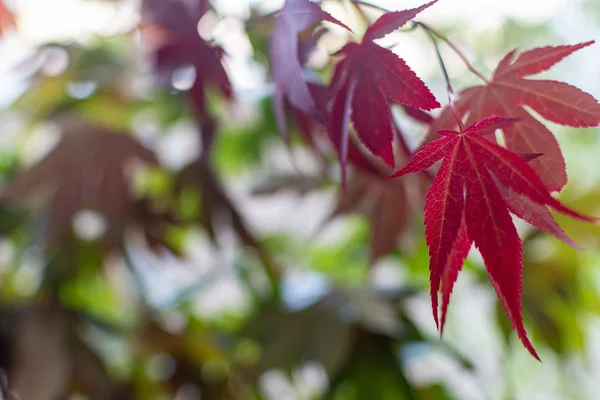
(55, 61)
(81, 90)
(206, 25)
(225, 295)
(232, 8)
(311, 380)
(303, 288)
(44, 137)
(43, 21)
(183, 78)
(28, 277)
(179, 147)
(274, 385)
(89, 225)
(308, 381)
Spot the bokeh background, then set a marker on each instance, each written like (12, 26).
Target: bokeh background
(152, 251)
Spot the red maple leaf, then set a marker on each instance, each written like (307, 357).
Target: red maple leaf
(467, 203)
(365, 81)
(508, 92)
(183, 46)
(385, 204)
(86, 170)
(288, 54)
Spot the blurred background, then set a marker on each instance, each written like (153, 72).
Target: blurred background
(158, 239)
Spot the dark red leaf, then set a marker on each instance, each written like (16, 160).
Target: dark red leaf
(490, 227)
(460, 251)
(371, 76)
(444, 206)
(183, 47)
(426, 157)
(339, 120)
(391, 21)
(477, 185)
(192, 50)
(369, 108)
(513, 172)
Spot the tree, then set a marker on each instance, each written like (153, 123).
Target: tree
(104, 204)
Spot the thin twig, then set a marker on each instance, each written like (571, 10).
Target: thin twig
(376, 7)
(360, 12)
(446, 77)
(450, 44)
(429, 29)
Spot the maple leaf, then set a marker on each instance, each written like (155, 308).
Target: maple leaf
(366, 79)
(288, 54)
(193, 50)
(311, 128)
(86, 170)
(508, 92)
(183, 47)
(465, 205)
(384, 203)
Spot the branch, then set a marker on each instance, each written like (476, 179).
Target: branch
(364, 3)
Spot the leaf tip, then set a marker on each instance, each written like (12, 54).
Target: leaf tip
(427, 5)
(525, 340)
(398, 174)
(527, 157)
(433, 293)
(534, 354)
(388, 157)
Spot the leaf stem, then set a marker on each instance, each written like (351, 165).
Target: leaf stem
(454, 48)
(449, 89)
(430, 31)
(432, 34)
(364, 3)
